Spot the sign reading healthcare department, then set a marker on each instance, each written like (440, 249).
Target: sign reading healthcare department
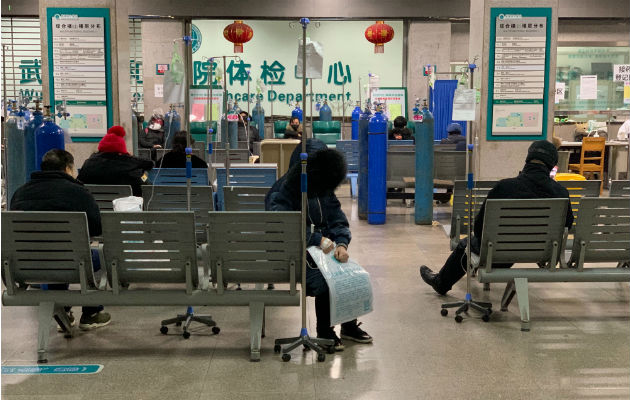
(269, 63)
(518, 73)
(80, 68)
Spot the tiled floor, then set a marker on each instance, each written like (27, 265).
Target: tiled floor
(579, 346)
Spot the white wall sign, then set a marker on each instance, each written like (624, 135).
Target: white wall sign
(158, 90)
(621, 73)
(588, 87)
(560, 87)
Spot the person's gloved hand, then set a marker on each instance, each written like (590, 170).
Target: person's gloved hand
(341, 254)
(326, 245)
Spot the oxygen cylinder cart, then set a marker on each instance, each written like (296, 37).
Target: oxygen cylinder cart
(14, 131)
(325, 113)
(30, 150)
(424, 165)
(47, 136)
(172, 124)
(297, 112)
(356, 115)
(364, 120)
(377, 167)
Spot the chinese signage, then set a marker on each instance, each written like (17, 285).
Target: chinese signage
(79, 69)
(269, 64)
(621, 73)
(518, 67)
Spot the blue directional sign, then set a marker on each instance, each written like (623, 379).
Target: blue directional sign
(51, 369)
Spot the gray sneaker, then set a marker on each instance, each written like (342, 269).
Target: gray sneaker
(94, 321)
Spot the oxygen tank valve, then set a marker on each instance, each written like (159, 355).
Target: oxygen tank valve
(47, 111)
(424, 103)
(37, 106)
(61, 110)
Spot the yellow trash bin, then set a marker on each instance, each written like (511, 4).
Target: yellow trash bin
(566, 176)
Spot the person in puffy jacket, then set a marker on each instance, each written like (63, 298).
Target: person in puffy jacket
(176, 158)
(54, 189)
(533, 182)
(327, 226)
(112, 165)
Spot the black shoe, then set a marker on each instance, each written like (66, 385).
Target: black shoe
(330, 334)
(431, 279)
(354, 333)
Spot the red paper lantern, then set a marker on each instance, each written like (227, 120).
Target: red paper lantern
(379, 34)
(238, 33)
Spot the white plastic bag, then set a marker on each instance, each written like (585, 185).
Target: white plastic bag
(128, 204)
(348, 284)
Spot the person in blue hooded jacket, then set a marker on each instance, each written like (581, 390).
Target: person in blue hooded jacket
(327, 225)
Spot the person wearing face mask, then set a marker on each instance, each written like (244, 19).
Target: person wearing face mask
(533, 182)
(246, 131)
(327, 226)
(294, 129)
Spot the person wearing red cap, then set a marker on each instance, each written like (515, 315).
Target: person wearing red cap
(113, 165)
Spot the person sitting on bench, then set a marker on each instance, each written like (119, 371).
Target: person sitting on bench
(455, 137)
(533, 182)
(326, 225)
(55, 189)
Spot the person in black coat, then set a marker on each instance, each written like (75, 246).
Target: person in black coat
(176, 158)
(455, 136)
(533, 182)
(326, 169)
(250, 135)
(54, 189)
(112, 165)
(400, 130)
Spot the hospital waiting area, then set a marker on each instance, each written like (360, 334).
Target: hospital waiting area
(315, 200)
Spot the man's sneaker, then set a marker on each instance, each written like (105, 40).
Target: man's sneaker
(354, 333)
(71, 319)
(431, 279)
(338, 346)
(94, 321)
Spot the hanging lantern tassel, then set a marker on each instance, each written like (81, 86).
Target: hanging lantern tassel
(238, 33)
(379, 34)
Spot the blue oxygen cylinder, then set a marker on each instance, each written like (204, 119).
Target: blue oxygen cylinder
(47, 136)
(30, 150)
(14, 131)
(377, 167)
(356, 114)
(297, 112)
(258, 119)
(364, 120)
(325, 113)
(172, 124)
(424, 167)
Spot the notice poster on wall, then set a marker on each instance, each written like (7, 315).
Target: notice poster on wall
(199, 103)
(588, 87)
(393, 99)
(518, 73)
(560, 88)
(79, 69)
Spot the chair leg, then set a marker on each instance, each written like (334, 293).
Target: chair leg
(256, 316)
(45, 313)
(523, 302)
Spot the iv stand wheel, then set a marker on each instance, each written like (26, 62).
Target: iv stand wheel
(286, 357)
(459, 318)
(485, 317)
(444, 312)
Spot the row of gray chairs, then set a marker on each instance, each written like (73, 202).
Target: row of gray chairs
(532, 231)
(462, 201)
(147, 248)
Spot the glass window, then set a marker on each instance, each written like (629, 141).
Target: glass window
(574, 62)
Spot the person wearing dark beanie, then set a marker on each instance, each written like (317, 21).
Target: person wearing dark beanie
(533, 182)
(113, 165)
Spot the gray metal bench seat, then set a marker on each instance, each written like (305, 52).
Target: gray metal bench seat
(461, 204)
(532, 231)
(141, 248)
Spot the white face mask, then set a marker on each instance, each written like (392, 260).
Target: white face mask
(155, 127)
